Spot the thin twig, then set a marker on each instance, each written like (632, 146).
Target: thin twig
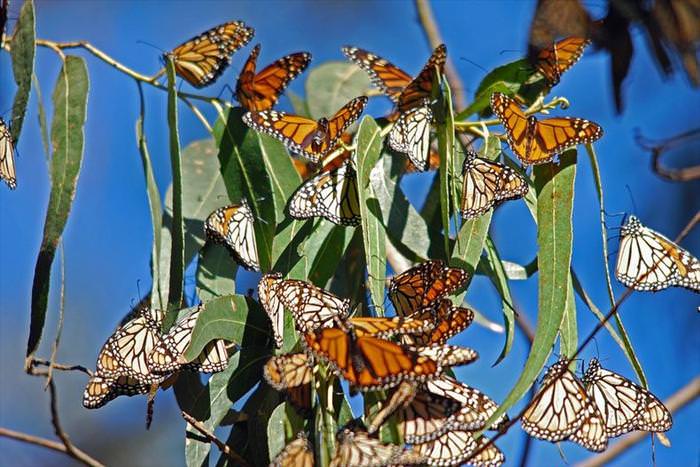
(676, 402)
(48, 444)
(61, 309)
(59, 366)
(657, 149)
(223, 447)
(427, 21)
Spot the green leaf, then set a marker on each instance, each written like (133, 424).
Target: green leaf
(446, 148)
(407, 230)
(22, 52)
(568, 332)
(242, 155)
(216, 273)
(369, 146)
(331, 85)
(210, 404)
(555, 196)
(259, 408)
(276, 439)
(626, 343)
(298, 104)
(235, 318)
(500, 280)
(154, 204)
(324, 258)
(70, 104)
(41, 115)
(177, 233)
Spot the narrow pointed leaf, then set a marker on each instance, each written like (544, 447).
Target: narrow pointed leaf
(23, 50)
(500, 280)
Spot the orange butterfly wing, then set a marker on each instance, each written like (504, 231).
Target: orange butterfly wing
(421, 285)
(537, 142)
(203, 58)
(553, 61)
(391, 79)
(261, 91)
(303, 136)
(422, 86)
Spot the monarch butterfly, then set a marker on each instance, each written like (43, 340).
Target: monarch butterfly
(312, 139)
(449, 355)
(452, 447)
(202, 59)
(410, 135)
(167, 355)
(396, 83)
(537, 142)
(7, 156)
(126, 352)
(311, 306)
(297, 453)
(448, 321)
(491, 456)
(355, 448)
(331, 195)
(421, 285)
(420, 416)
(624, 405)
(369, 363)
(267, 294)
(433, 162)
(476, 407)
(233, 226)
(560, 407)
(648, 261)
(487, 184)
(553, 61)
(291, 374)
(262, 90)
(101, 389)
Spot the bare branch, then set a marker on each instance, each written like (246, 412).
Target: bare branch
(223, 447)
(657, 148)
(57, 366)
(48, 444)
(676, 402)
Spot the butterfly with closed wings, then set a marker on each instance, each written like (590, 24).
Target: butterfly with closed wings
(552, 62)
(7, 156)
(233, 226)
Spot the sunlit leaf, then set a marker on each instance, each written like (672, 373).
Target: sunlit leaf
(331, 85)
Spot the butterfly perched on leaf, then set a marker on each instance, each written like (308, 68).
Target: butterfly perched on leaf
(538, 141)
(331, 195)
(457, 447)
(407, 92)
(308, 138)
(562, 409)
(487, 184)
(167, 356)
(355, 447)
(624, 405)
(202, 59)
(7, 156)
(102, 389)
(293, 375)
(424, 284)
(369, 363)
(233, 226)
(648, 261)
(269, 299)
(298, 453)
(260, 91)
(410, 136)
(553, 61)
(126, 351)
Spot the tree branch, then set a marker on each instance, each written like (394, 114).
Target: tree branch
(223, 447)
(676, 402)
(48, 444)
(427, 21)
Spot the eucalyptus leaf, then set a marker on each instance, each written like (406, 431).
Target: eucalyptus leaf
(332, 85)
(22, 52)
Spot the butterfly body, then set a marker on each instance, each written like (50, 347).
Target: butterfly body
(538, 141)
(260, 91)
(202, 59)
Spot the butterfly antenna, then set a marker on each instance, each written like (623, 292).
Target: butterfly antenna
(474, 63)
(634, 205)
(224, 88)
(509, 51)
(163, 52)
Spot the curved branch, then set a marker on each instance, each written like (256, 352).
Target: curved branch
(676, 402)
(48, 444)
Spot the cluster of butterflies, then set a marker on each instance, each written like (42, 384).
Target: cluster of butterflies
(407, 356)
(138, 358)
(591, 410)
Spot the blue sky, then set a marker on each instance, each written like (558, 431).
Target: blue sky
(107, 240)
